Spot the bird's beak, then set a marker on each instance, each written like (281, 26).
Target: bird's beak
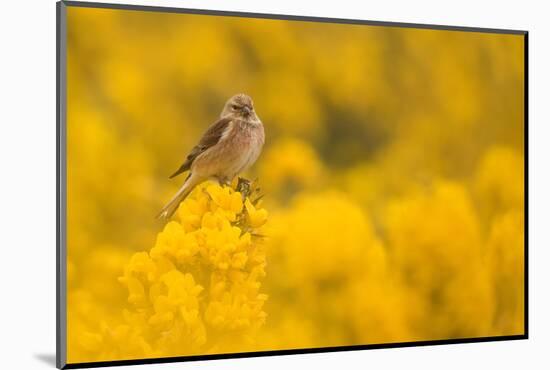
(246, 110)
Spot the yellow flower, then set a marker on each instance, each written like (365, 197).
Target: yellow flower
(333, 273)
(191, 211)
(180, 300)
(499, 181)
(198, 289)
(506, 258)
(321, 236)
(290, 162)
(435, 241)
(225, 199)
(256, 217)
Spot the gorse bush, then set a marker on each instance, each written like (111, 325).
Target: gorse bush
(392, 172)
(198, 289)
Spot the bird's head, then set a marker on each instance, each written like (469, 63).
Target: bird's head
(240, 106)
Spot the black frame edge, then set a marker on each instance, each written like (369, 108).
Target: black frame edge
(291, 352)
(526, 183)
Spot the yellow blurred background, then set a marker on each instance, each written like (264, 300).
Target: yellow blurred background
(392, 175)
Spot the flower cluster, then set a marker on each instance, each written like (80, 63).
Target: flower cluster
(330, 276)
(198, 289)
(435, 239)
(299, 167)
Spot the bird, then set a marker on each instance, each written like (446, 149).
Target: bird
(227, 148)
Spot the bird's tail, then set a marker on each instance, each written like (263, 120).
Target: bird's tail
(170, 208)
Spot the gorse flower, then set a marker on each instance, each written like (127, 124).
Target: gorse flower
(499, 181)
(299, 167)
(505, 257)
(256, 217)
(437, 248)
(198, 289)
(330, 267)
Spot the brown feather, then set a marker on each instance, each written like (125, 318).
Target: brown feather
(210, 138)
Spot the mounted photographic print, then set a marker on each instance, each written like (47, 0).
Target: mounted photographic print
(235, 184)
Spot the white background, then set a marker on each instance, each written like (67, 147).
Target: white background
(27, 172)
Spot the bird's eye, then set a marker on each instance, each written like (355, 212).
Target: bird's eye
(234, 107)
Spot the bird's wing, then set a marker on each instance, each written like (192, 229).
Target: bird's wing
(210, 138)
